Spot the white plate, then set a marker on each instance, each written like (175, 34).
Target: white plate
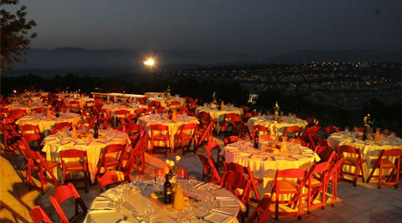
(228, 203)
(101, 205)
(216, 217)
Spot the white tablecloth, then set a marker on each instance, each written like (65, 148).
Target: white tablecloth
(138, 201)
(148, 120)
(370, 149)
(267, 121)
(264, 164)
(53, 144)
(46, 123)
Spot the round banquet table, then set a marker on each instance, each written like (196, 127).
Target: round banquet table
(103, 208)
(219, 114)
(264, 164)
(370, 149)
(82, 101)
(46, 123)
(268, 121)
(162, 100)
(27, 108)
(113, 107)
(53, 144)
(148, 120)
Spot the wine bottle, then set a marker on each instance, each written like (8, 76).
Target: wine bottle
(167, 191)
(256, 139)
(96, 130)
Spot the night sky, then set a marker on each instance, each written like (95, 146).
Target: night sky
(255, 27)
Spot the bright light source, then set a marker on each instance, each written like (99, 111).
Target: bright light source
(149, 62)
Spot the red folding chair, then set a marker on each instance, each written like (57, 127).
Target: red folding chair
(205, 119)
(31, 134)
(110, 157)
(35, 162)
(38, 215)
(292, 131)
(18, 113)
(389, 159)
(204, 135)
(262, 130)
(136, 156)
(209, 170)
(10, 137)
(61, 127)
(73, 160)
(331, 129)
(181, 172)
(63, 193)
(160, 138)
(332, 179)
(261, 212)
(310, 134)
(228, 126)
(230, 139)
(299, 141)
(315, 184)
(185, 137)
(290, 182)
(214, 146)
(354, 159)
(75, 106)
(109, 178)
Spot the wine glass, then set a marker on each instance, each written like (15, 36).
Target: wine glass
(192, 181)
(137, 181)
(149, 211)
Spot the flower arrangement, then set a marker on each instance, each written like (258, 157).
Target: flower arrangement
(214, 98)
(368, 122)
(173, 166)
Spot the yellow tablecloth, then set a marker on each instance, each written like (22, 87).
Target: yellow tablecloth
(370, 149)
(112, 108)
(264, 164)
(268, 121)
(53, 144)
(148, 120)
(162, 100)
(137, 201)
(219, 114)
(46, 123)
(27, 108)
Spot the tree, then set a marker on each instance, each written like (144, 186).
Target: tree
(14, 34)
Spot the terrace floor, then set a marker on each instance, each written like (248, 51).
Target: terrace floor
(364, 203)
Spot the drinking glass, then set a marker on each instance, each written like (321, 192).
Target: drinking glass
(137, 181)
(192, 181)
(149, 211)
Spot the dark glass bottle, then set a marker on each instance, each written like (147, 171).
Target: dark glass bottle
(96, 130)
(167, 191)
(256, 140)
(365, 133)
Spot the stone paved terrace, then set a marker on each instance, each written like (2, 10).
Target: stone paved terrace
(364, 203)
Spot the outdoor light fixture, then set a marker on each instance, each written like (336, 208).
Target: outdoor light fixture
(150, 62)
